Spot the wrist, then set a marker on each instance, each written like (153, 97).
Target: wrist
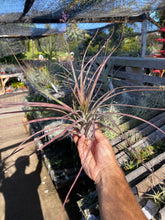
(109, 174)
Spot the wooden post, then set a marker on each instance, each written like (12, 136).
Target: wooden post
(3, 85)
(144, 38)
(58, 49)
(33, 48)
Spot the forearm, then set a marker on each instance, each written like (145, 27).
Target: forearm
(116, 199)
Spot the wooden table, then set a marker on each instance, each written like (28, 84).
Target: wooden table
(5, 77)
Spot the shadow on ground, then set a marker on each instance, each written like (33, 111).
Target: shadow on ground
(20, 192)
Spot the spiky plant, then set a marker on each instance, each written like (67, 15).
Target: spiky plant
(42, 78)
(88, 107)
(157, 195)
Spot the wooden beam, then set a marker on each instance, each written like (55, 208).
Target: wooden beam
(156, 80)
(144, 38)
(25, 36)
(85, 19)
(154, 63)
(4, 76)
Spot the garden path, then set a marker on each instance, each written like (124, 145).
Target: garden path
(26, 190)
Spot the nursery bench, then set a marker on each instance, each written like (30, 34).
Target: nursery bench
(5, 77)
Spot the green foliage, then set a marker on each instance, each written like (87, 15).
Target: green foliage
(160, 17)
(11, 59)
(43, 78)
(97, 43)
(49, 46)
(154, 99)
(17, 85)
(142, 154)
(110, 134)
(158, 196)
(36, 98)
(75, 37)
(130, 165)
(40, 113)
(136, 157)
(46, 46)
(152, 46)
(31, 50)
(145, 153)
(131, 47)
(159, 147)
(89, 201)
(80, 3)
(121, 121)
(74, 33)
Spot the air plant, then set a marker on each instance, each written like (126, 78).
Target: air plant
(142, 154)
(88, 107)
(42, 78)
(158, 196)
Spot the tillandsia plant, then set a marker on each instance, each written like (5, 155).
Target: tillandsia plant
(42, 78)
(88, 107)
(158, 195)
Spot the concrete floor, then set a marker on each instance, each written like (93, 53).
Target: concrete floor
(26, 190)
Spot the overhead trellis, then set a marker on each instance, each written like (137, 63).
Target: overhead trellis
(15, 15)
(12, 36)
(50, 11)
(11, 46)
(21, 31)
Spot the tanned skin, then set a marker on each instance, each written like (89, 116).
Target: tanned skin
(116, 199)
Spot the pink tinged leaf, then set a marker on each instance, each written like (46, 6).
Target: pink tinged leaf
(108, 95)
(145, 88)
(101, 68)
(19, 148)
(61, 133)
(72, 90)
(103, 126)
(82, 84)
(52, 140)
(121, 132)
(137, 106)
(36, 104)
(73, 71)
(138, 118)
(83, 163)
(64, 16)
(91, 61)
(39, 120)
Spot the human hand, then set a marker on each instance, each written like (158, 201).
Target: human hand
(101, 157)
(102, 167)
